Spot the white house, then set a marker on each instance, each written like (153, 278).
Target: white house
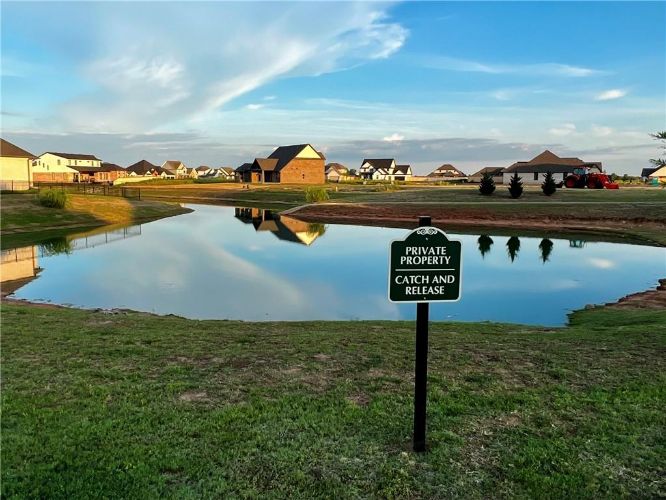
(384, 169)
(65, 167)
(227, 173)
(175, 168)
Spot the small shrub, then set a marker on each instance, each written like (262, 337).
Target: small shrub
(52, 198)
(487, 186)
(515, 186)
(548, 186)
(315, 194)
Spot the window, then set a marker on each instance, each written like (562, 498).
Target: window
(303, 176)
(536, 176)
(58, 162)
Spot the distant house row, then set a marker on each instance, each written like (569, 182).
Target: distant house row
(19, 169)
(531, 171)
(294, 164)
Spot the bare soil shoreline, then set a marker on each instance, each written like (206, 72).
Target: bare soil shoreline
(448, 217)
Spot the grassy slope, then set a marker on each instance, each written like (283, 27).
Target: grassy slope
(22, 214)
(126, 405)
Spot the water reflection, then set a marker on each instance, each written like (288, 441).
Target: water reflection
(513, 247)
(546, 247)
(19, 266)
(484, 242)
(284, 227)
(206, 265)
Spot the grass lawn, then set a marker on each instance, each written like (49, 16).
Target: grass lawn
(21, 214)
(99, 404)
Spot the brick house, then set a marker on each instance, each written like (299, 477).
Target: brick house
(297, 164)
(109, 172)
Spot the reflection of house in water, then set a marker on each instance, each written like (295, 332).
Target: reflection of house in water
(576, 243)
(18, 267)
(284, 227)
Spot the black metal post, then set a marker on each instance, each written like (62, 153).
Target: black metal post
(421, 367)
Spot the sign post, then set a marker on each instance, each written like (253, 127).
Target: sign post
(424, 267)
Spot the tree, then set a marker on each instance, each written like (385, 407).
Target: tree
(485, 242)
(515, 186)
(546, 247)
(659, 162)
(548, 186)
(487, 186)
(513, 247)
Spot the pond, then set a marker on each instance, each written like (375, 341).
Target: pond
(249, 264)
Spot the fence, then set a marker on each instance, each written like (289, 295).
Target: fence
(12, 185)
(88, 188)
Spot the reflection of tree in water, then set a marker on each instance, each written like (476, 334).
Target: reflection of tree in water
(513, 247)
(546, 247)
(485, 242)
(316, 229)
(55, 246)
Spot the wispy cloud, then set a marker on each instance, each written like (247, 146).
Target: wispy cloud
(142, 77)
(254, 106)
(536, 69)
(563, 130)
(394, 137)
(610, 95)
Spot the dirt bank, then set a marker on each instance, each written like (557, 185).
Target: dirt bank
(650, 299)
(457, 217)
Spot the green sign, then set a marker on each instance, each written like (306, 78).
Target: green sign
(425, 267)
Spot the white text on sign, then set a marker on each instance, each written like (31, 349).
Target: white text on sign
(415, 256)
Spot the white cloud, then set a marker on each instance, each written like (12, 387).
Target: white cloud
(536, 69)
(601, 263)
(254, 106)
(601, 131)
(563, 130)
(140, 76)
(610, 95)
(395, 137)
(269, 98)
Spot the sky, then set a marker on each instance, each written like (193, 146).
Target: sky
(474, 84)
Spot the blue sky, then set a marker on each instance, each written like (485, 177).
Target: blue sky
(470, 83)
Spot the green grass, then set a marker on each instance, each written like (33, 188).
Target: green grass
(126, 405)
(52, 198)
(25, 220)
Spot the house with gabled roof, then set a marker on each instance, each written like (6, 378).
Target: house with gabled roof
(175, 168)
(534, 170)
(65, 167)
(447, 172)
(384, 169)
(494, 172)
(109, 172)
(226, 173)
(295, 164)
(336, 172)
(15, 167)
(144, 168)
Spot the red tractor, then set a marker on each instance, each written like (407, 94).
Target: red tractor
(583, 177)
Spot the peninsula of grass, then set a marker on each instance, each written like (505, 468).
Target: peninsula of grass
(125, 405)
(23, 217)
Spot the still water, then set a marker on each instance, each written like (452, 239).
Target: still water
(247, 264)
